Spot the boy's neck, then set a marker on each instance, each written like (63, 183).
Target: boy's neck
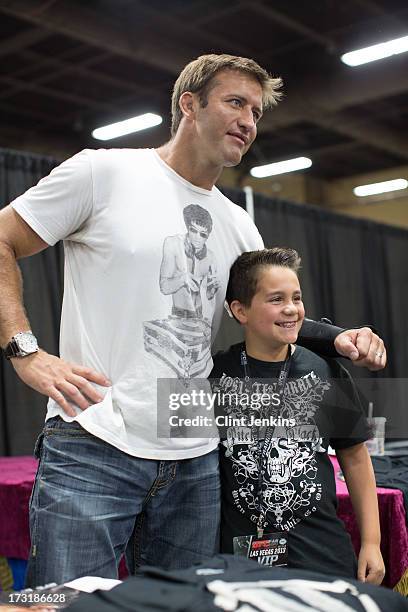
(265, 353)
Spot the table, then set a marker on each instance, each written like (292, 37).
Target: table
(17, 476)
(16, 481)
(394, 534)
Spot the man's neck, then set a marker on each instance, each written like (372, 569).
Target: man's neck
(265, 353)
(186, 161)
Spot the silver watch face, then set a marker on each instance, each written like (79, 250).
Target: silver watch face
(26, 342)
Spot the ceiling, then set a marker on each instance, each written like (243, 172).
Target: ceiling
(68, 66)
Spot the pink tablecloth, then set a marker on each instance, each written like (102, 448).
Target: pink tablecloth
(394, 535)
(16, 481)
(17, 477)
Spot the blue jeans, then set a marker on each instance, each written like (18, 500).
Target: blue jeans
(91, 503)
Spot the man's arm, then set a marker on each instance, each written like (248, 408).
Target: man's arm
(358, 472)
(362, 346)
(45, 373)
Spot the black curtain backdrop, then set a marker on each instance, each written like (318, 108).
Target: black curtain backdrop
(21, 409)
(353, 272)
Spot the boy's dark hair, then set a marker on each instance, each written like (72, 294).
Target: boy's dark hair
(245, 271)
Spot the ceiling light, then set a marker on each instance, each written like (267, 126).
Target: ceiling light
(374, 188)
(376, 52)
(128, 126)
(289, 165)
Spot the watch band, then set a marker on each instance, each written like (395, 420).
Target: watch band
(11, 350)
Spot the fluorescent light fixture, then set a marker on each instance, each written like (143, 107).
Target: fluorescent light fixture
(376, 52)
(289, 165)
(374, 188)
(128, 126)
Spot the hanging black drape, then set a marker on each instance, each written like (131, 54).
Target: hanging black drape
(21, 409)
(353, 271)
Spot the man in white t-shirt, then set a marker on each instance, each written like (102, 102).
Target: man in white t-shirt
(106, 482)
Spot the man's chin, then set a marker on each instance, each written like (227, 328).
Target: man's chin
(233, 161)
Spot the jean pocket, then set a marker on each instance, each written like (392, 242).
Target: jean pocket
(38, 445)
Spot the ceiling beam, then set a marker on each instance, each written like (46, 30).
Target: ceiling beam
(342, 122)
(366, 131)
(178, 26)
(324, 101)
(46, 118)
(292, 24)
(92, 27)
(344, 89)
(37, 59)
(217, 13)
(57, 67)
(321, 100)
(80, 100)
(22, 40)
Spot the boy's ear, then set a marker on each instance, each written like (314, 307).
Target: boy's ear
(239, 311)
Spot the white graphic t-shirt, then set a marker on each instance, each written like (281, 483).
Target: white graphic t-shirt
(147, 259)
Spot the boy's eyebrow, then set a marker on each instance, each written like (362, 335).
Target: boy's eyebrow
(280, 292)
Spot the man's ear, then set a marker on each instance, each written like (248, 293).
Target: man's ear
(187, 104)
(239, 311)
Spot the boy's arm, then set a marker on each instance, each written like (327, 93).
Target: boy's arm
(363, 346)
(358, 471)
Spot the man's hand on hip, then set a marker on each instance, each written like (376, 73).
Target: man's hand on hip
(363, 347)
(60, 380)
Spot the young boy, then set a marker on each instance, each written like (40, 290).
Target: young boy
(276, 475)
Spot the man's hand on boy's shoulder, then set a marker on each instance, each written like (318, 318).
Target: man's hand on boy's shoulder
(363, 347)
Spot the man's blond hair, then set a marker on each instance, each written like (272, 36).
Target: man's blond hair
(197, 77)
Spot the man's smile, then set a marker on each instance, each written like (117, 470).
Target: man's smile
(243, 139)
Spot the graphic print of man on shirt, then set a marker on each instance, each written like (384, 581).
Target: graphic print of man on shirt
(186, 262)
(188, 268)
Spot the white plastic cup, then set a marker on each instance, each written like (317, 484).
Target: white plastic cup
(375, 444)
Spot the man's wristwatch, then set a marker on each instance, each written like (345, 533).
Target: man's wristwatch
(21, 345)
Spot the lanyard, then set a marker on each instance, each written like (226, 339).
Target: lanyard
(262, 450)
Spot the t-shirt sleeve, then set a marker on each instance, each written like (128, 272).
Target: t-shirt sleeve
(61, 202)
(319, 337)
(350, 423)
(252, 239)
(259, 243)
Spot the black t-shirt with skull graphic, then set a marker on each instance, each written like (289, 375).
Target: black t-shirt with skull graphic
(320, 407)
